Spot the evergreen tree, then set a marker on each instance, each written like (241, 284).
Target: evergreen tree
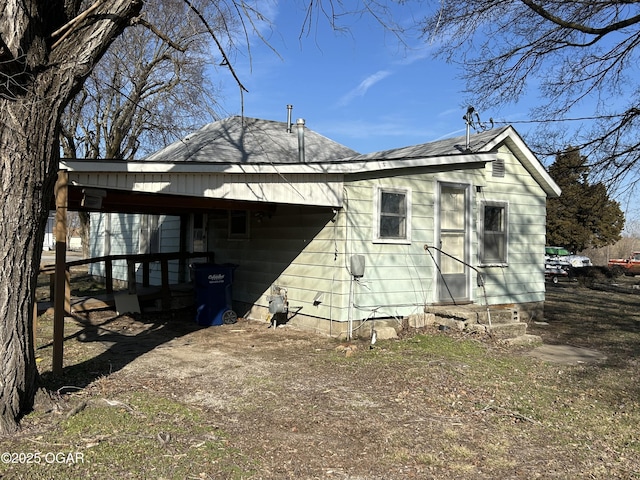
(583, 216)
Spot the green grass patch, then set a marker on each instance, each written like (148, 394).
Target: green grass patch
(143, 436)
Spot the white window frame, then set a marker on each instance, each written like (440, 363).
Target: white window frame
(505, 233)
(377, 204)
(198, 240)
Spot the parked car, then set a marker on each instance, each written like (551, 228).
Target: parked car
(629, 266)
(564, 255)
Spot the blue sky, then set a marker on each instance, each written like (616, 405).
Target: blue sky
(361, 87)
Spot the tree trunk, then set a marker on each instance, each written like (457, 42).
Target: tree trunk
(29, 163)
(39, 74)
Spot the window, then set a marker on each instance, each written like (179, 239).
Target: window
(149, 237)
(198, 232)
(238, 224)
(493, 246)
(392, 221)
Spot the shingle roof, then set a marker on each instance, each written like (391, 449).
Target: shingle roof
(249, 140)
(439, 148)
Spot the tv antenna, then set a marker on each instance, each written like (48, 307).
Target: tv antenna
(472, 120)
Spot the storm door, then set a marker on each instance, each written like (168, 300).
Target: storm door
(453, 232)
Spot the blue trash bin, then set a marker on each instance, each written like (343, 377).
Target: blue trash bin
(213, 293)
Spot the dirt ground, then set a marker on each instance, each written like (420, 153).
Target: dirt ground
(303, 406)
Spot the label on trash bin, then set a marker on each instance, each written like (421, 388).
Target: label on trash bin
(216, 278)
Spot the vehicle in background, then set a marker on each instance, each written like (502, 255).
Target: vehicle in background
(627, 266)
(563, 255)
(555, 272)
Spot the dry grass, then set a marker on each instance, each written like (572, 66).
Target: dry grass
(157, 397)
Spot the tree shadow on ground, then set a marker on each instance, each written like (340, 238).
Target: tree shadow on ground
(104, 342)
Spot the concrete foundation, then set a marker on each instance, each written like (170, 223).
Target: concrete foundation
(502, 321)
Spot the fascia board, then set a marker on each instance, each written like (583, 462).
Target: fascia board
(109, 166)
(528, 159)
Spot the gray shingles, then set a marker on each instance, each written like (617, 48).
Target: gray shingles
(250, 140)
(449, 146)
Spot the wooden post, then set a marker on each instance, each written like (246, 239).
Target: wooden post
(145, 273)
(62, 277)
(35, 323)
(166, 291)
(131, 275)
(108, 272)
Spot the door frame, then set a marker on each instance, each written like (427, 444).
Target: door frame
(442, 296)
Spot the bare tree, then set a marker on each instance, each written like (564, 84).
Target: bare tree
(576, 52)
(48, 48)
(44, 58)
(148, 89)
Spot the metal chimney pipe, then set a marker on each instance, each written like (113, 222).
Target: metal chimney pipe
(300, 125)
(289, 108)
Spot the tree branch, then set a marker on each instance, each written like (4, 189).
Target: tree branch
(225, 61)
(538, 9)
(162, 36)
(66, 29)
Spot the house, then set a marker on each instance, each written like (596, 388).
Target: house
(329, 239)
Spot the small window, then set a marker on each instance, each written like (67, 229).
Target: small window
(199, 232)
(392, 221)
(238, 224)
(493, 246)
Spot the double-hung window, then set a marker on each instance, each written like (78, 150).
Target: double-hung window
(495, 233)
(392, 210)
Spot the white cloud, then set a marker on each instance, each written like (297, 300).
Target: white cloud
(363, 87)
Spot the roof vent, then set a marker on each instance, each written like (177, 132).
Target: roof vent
(300, 125)
(289, 108)
(497, 167)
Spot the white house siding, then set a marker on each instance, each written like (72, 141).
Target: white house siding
(113, 234)
(522, 280)
(297, 188)
(298, 248)
(123, 232)
(169, 231)
(399, 279)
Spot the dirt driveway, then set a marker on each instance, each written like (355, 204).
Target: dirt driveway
(433, 405)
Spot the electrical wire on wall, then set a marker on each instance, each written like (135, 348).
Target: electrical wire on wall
(377, 311)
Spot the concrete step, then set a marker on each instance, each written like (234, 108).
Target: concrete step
(502, 323)
(508, 330)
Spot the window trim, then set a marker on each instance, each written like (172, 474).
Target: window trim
(505, 234)
(377, 196)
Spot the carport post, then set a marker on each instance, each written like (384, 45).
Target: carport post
(61, 275)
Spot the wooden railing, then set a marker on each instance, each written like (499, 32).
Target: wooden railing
(145, 260)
